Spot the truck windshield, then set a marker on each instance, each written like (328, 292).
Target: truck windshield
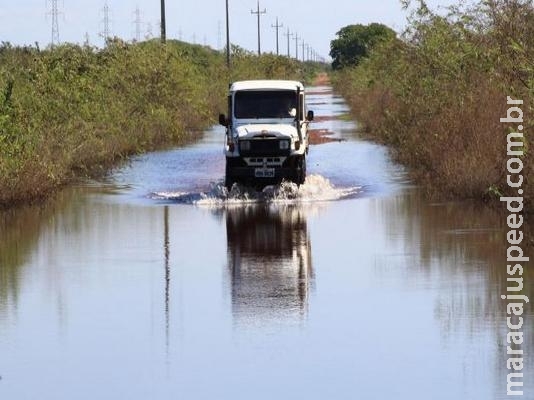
(253, 104)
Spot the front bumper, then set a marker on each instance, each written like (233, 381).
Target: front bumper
(249, 173)
(238, 171)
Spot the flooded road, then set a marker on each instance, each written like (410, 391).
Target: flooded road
(158, 284)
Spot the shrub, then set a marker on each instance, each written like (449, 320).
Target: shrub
(437, 95)
(70, 111)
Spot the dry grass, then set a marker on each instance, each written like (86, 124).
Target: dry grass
(437, 100)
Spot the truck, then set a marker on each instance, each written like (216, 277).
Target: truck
(266, 133)
(270, 265)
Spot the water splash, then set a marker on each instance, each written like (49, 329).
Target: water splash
(315, 189)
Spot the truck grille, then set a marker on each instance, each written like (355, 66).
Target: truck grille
(262, 147)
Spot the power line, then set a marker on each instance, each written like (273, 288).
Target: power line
(259, 13)
(296, 36)
(277, 26)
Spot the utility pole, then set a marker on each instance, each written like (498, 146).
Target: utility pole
(106, 32)
(137, 23)
(277, 26)
(54, 12)
(227, 36)
(303, 55)
(163, 23)
(297, 46)
(259, 13)
(288, 35)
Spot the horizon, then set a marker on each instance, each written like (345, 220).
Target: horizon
(84, 22)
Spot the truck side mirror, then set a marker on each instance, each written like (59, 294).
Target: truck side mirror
(222, 120)
(310, 116)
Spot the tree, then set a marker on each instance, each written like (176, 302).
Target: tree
(354, 42)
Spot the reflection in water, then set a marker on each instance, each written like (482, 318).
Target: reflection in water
(409, 291)
(20, 230)
(269, 259)
(465, 241)
(18, 234)
(465, 246)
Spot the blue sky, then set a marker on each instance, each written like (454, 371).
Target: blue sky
(26, 21)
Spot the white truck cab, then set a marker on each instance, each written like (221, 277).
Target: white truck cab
(266, 132)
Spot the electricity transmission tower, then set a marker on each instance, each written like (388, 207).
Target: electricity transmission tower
(138, 24)
(277, 26)
(106, 32)
(54, 12)
(259, 13)
(219, 35)
(148, 34)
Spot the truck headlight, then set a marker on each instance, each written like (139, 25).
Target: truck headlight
(244, 145)
(284, 144)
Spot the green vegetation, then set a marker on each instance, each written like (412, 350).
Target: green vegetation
(437, 94)
(354, 42)
(73, 111)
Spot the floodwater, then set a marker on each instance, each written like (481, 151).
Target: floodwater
(155, 283)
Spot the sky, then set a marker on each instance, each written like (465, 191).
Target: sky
(198, 21)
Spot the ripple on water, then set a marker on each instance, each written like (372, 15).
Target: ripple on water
(316, 189)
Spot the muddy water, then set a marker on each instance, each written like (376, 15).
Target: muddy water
(158, 284)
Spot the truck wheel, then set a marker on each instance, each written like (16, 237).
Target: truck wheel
(301, 170)
(229, 180)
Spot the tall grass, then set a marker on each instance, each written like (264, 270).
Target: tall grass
(70, 111)
(437, 94)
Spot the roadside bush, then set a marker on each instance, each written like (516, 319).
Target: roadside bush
(72, 111)
(438, 94)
